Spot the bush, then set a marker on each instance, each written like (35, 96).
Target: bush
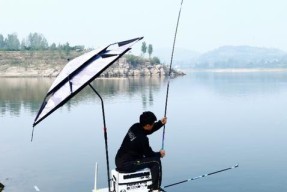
(134, 60)
(155, 60)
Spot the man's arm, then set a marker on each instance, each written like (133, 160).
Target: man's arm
(147, 150)
(159, 124)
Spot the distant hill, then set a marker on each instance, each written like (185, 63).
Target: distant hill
(182, 58)
(241, 57)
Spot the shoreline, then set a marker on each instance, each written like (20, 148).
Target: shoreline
(50, 64)
(240, 70)
(53, 73)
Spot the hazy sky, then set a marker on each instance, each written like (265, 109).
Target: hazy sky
(204, 24)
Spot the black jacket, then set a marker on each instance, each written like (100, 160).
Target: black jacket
(135, 145)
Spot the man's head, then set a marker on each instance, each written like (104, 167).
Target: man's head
(147, 120)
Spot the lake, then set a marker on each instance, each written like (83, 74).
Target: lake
(215, 120)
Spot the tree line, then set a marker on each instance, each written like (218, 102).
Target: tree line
(37, 42)
(34, 41)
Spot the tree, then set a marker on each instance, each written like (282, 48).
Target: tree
(144, 48)
(12, 42)
(2, 42)
(67, 48)
(36, 41)
(53, 46)
(150, 50)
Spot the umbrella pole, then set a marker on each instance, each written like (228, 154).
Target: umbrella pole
(105, 135)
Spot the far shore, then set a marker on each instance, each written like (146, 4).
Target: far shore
(32, 73)
(240, 70)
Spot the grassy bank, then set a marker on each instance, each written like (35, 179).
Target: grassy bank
(33, 63)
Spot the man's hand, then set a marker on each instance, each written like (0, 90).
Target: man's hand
(163, 120)
(162, 153)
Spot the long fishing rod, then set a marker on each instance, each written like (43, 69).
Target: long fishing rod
(169, 74)
(201, 176)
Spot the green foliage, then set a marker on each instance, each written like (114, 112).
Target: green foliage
(53, 46)
(2, 42)
(155, 60)
(134, 60)
(34, 42)
(67, 48)
(12, 42)
(144, 48)
(150, 50)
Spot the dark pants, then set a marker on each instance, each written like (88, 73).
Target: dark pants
(153, 163)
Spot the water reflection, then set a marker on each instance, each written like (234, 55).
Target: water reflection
(28, 93)
(239, 84)
(17, 92)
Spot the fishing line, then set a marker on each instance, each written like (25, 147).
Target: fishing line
(201, 176)
(169, 74)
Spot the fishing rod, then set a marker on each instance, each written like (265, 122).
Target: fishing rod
(169, 74)
(201, 176)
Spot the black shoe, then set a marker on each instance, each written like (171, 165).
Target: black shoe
(161, 189)
(157, 190)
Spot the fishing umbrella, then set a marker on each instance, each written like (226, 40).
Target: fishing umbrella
(78, 73)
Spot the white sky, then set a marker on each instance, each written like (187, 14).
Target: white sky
(204, 24)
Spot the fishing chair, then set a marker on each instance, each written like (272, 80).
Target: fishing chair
(136, 181)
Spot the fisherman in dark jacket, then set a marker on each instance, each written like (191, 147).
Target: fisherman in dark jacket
(135, 152)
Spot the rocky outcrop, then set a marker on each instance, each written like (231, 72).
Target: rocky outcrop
(123, 69)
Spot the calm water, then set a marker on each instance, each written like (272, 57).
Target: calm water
(215, 120)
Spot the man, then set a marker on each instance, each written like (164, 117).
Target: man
(135, 152)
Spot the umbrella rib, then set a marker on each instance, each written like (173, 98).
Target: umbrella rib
(70, 84)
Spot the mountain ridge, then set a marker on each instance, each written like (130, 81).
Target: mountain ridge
(243, 56)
